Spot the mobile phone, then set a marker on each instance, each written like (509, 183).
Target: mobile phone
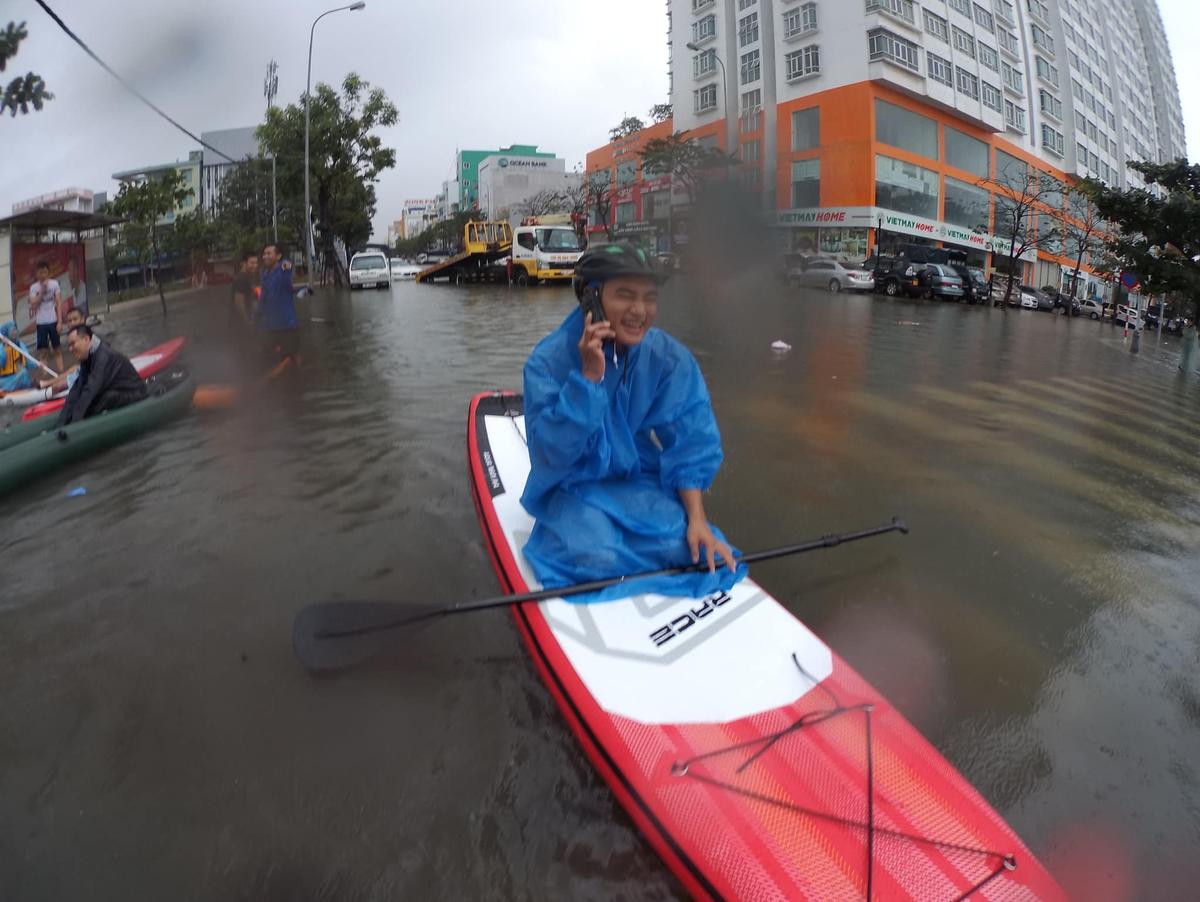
(594, 307)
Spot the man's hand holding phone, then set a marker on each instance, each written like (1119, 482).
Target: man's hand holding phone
(591, 347)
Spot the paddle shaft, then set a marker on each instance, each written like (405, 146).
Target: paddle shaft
(829, 541)
(20, 350)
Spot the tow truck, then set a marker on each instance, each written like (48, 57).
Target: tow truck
(546, 249)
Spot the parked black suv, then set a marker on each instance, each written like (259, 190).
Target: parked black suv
(975, 286)
(894, 276)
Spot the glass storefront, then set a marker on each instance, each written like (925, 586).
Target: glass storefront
(906, 187)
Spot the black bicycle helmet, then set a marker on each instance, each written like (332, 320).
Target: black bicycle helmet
(607, 261)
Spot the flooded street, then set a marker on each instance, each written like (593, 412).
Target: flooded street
(1041, 624)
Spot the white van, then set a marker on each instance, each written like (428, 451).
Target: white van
(370, 269)
(1128, 316)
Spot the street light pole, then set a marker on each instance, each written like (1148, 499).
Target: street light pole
(270, 88)
(309, 250)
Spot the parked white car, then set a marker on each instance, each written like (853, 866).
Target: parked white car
(1029, 298)
(1091, 308)
(1128, 316)
(402, 270)
(370, 269)
(823, 272)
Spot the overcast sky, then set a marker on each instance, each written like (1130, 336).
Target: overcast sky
(463, 73)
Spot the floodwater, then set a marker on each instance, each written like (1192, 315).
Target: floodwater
(1041, 624)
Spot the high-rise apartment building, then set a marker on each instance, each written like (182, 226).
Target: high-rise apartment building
(856, 114)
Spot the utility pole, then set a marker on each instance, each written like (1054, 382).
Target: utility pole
(270, 89)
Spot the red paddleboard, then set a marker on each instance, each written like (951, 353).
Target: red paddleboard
(754, 760)
(147, 364)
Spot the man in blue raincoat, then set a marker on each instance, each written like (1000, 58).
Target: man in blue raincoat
(622, 441)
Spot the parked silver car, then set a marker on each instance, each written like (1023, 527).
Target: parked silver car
(823, 272)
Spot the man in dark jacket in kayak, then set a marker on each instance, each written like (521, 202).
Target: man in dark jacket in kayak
(107, 380)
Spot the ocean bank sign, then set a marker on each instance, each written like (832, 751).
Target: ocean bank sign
(900, 223)
(523, 163)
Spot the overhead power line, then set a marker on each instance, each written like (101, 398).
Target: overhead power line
(128, 87)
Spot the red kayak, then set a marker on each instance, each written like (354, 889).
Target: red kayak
(147, 363)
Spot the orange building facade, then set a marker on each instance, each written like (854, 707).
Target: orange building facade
(861, 168)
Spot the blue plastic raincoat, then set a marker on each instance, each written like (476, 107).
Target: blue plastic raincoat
(16, 372)
(607, 462)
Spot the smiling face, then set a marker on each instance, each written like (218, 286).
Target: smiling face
(630, 304)
(270, 256)
(79, 343)
(74, 318)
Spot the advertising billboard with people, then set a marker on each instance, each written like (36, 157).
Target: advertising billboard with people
(67, 268)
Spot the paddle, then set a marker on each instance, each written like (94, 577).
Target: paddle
(335, 635)
(20, 350)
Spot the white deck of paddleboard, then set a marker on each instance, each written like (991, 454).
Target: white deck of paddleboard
(662, 660)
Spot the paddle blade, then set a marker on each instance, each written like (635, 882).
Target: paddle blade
(336, 635)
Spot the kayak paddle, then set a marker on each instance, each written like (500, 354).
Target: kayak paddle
(20, 350)
(335, 635)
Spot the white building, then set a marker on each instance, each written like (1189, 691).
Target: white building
(236, 144)
(846, 111)
(506, 182)
(418, 215)
(78, 200)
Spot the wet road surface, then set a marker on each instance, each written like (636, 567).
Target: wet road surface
(1041, 625)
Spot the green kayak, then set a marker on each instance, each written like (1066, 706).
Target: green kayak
(31, 449)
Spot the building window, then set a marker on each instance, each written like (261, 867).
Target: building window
(963, 6)
(906, 187)
(1039, 9)
(703, 63)
(752, 101)
(884, 45)
(748, 30)
(901, 9)
(625, 212)
(1004, 10)
(905, 129)
(745, 4)
(937, 26)
(1008, 42)
(967, 205)
(966, 153)
(799, 20)
(703, 29)
(806, 183)
(751, 151)
(803, 62)
(963, 42)
(966, 83)
(983, 18)
(1052, 140)
(988, 56)
(1077, 90)
(751, 66)
(806, 129)
(939, 69)
(705, 99)
(990, 95)
(1014, 117)
(698, 5)
(626, 174)
(1041, 38)
(1050, 104)
(1013, 79)
(1046, 71)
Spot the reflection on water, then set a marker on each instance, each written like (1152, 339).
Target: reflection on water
(1040, 625)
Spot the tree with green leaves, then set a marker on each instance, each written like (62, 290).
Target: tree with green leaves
(243, 210)
(685, 159)
(661, 112)
(26, 90)
(144, 202)
(1157, 234)
(630, 125)
(346, 161)
(446, 235)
